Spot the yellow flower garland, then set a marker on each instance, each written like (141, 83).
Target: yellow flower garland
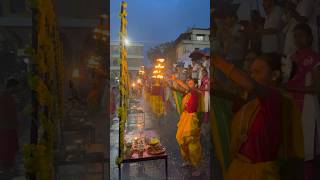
(47, 83)
(124, 85)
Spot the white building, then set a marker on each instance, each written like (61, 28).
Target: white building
(134, 58)
(192, 39)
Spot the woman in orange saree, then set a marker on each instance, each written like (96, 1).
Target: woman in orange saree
(188, 132)
(257, 131)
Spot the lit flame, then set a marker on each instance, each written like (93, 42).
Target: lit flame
(161, 60)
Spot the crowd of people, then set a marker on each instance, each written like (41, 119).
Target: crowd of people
(267, 66)
(278, 51)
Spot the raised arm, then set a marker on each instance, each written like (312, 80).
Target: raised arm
(176, 89)
(236, 75)
(182, 84)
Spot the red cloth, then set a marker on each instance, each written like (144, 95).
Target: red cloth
(9, 147)
(305, 60)
(264, 135)
(8, 111)
(192, 104)
(204, 83)
(157, 91)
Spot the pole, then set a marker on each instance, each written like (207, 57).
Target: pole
(121, 84)
(34, 121)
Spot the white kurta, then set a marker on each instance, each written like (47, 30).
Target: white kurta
(271, 43)
(245, 8)
(206, 101)
(310, 121)
(289, 48)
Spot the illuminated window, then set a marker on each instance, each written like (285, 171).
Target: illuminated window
(200, 38)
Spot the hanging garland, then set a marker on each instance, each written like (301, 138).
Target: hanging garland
(124, 82)
(47, 83)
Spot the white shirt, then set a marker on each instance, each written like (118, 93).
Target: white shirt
(289, 48)
(271, 43)
(195, 71)
(245, 8)
(206, 64)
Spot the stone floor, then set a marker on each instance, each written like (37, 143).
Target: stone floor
(154, 170)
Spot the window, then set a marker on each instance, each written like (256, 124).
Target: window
(200, 37)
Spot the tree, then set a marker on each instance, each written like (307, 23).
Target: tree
(165, 50)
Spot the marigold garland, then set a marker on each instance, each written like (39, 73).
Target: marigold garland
(124, 83)
(47, 83)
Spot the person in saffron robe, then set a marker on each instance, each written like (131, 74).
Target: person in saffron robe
(188, 132)
(256, 131)
(305, 87)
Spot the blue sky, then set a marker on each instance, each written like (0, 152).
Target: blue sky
(156, 21)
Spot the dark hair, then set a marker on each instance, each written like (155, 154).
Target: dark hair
(306, 29)
(273, 60)
(205, 70)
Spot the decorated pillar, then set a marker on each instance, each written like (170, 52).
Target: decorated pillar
(46, 82)
(124, 82)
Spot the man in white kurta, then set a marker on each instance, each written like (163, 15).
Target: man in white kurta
(272, 26)
(289, 46)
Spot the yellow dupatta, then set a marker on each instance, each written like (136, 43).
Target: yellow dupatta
(292, 143)
(241, 167)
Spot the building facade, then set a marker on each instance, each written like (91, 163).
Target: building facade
(134, 58)
(192, 39)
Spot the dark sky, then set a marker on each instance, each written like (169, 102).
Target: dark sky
(156, 21)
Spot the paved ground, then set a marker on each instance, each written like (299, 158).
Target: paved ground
(154, 170)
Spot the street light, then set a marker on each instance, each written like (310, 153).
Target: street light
(126, 41)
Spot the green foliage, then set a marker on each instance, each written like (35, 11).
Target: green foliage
(165, 50)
